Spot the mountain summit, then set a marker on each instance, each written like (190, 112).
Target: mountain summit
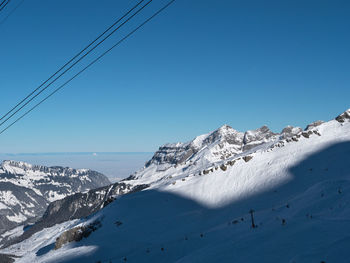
(217, 145)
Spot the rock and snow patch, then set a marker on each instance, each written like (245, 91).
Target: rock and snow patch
(26, 190)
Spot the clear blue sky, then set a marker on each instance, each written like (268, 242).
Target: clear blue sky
(199, 65)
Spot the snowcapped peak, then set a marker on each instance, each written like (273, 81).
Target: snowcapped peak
(313, 125)
(347, 112)
(222, 143)
(290, 131)
(15, 166)
(218, 145)
(225, 127)
(225, 134)
(344, 116)
(288, 127)
(256, 137)
(262, 129)
(38, 172)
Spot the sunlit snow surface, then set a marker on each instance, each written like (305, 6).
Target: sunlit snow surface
(300, 193)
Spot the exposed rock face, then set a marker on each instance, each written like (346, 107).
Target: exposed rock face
(224, 134)
(290, 131)
(76, 234)
(26, 190)
(173, 154)
(247, 158)
(313, 125)
(84, 204)
(178, 153)
(257, 137)
(221, 144)
(345, 116)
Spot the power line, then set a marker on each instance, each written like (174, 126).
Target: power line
(4, 5)
(89, 65)
(13, 10)
(70, 61)
(2, 2)
(65, 71)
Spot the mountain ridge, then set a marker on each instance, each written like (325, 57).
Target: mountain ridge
(26, 189)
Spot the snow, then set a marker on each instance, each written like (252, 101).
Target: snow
(198, 141)
(3, 206)
(19, 179)
(300, 194)
(41, 239)
(7, 197)
(242, 180)
(18, 218)
(53, 196)
(13, 232)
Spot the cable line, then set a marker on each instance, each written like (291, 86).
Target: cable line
(65, 71)
(71, 60)
(2, 2)
(4, 5)
(89, 65)
(13, 10)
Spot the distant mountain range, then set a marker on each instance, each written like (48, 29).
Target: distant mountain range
(195, 201)
(26, 190)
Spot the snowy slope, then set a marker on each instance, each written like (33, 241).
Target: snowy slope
(197, 209)
(26, 190)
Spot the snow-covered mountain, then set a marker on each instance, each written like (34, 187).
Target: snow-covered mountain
(203, 194)
(26, 190)
(219, 145)
(209, 151)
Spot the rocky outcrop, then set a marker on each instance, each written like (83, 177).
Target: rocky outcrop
(172, 154)
(257, 137)
(313, 125)
(84, 204)
(290, 131)
(77, 233)
(247, 158)
(179, 153)
(345, 116)
(224, 134)
(221, 144)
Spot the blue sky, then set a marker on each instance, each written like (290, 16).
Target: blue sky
(197, 66)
